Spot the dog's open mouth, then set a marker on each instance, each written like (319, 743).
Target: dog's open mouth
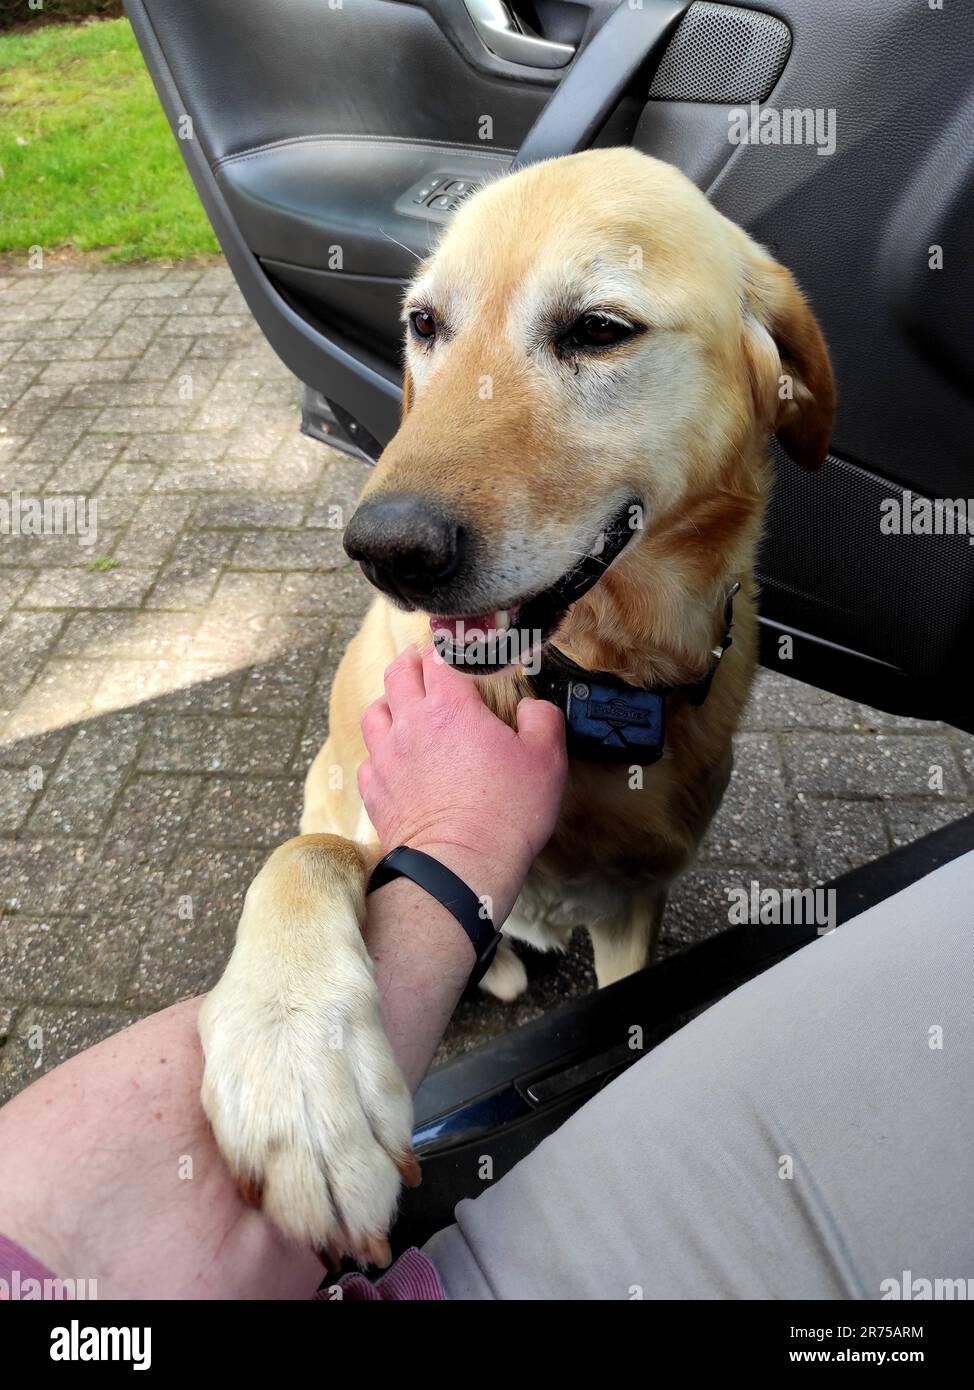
(481, 644)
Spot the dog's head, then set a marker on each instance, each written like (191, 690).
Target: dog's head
(592, 349)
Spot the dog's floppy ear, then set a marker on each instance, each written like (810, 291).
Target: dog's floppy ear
(787, 361)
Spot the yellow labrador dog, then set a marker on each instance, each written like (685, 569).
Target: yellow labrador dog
(595, 359)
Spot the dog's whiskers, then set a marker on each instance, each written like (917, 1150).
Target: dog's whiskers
(401, 244)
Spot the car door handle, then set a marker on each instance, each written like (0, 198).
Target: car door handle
(632, 38)
(501, 33)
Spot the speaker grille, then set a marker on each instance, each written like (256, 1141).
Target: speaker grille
(722, 53)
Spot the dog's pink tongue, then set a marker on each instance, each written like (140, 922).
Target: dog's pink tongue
(473, 626)
(460, 629)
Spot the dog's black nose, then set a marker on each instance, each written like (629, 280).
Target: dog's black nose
(405, 544)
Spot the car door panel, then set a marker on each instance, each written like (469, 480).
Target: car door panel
(252, 72)
(275, 197)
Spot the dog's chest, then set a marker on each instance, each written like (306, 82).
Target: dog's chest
(606, 852)
(549, 909)
(624, 832)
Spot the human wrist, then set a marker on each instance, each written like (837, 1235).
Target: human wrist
(494, 875)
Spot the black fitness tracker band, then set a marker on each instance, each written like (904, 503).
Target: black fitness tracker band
(449, 891)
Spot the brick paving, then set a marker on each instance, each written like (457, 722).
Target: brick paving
(163, 691)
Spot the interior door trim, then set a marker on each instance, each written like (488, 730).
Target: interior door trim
(370, 389)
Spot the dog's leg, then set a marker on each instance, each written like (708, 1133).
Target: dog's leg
(306, 1100)
(506, 978)
(623, 946)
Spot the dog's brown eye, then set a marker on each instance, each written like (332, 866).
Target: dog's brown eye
(598, 330)
(423, 324)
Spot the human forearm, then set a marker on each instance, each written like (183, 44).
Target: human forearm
(421, 955)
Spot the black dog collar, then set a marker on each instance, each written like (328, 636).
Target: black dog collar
(607, 719)
(449, 891)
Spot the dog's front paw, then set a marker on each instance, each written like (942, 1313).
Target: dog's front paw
(311, 1114)
(300, 1085)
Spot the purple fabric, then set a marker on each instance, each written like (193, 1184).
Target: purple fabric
(411, 1278)
(22, 1277)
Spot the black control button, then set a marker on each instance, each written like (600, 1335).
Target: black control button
(427, 189)
(441, 203)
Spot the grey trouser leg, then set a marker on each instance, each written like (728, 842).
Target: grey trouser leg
(674, 1181)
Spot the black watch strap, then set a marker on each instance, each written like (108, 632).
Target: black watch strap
(449, 891)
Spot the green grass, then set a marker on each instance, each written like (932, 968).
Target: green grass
(88, 160)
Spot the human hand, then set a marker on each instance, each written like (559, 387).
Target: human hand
(445, 775)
